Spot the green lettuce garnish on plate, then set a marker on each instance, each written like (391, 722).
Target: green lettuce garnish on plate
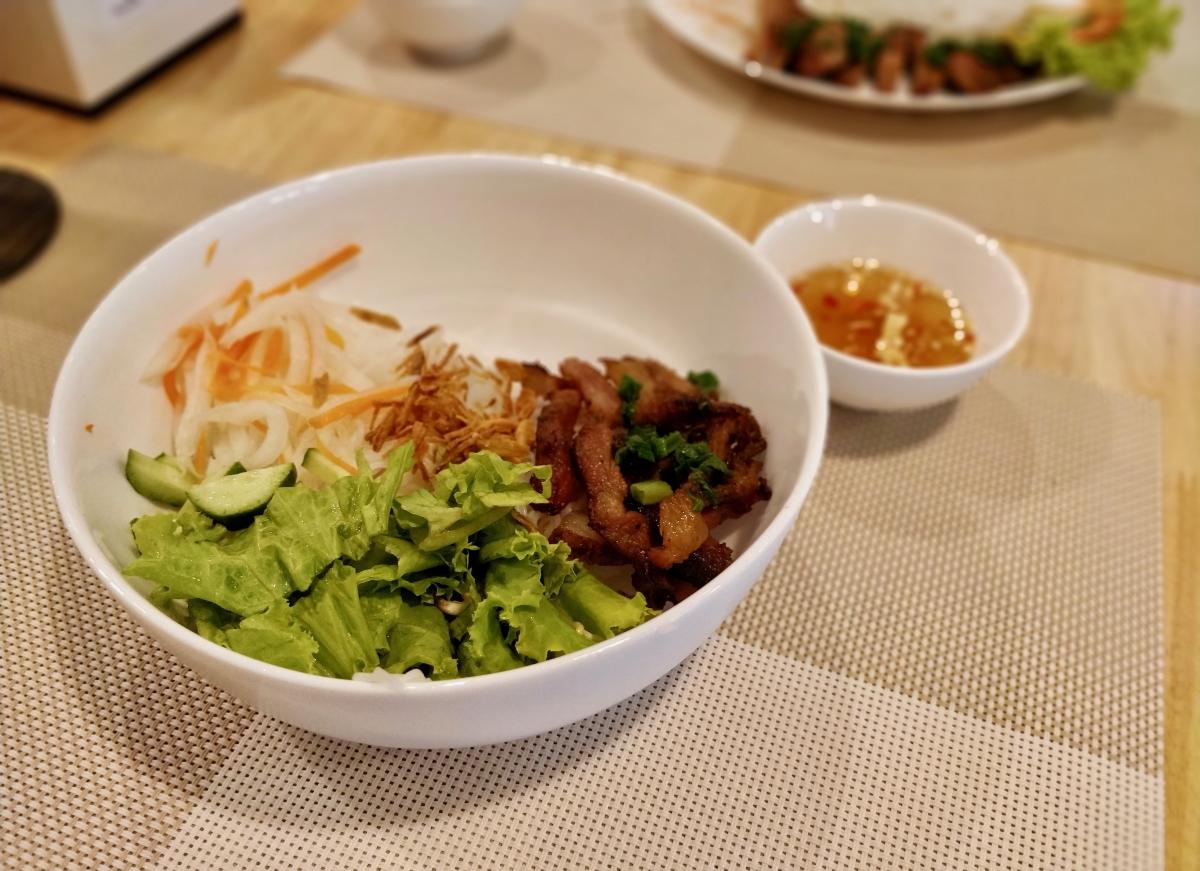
(1113, 63)
(355, 577)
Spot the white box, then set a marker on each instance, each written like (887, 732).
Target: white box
(81, 52)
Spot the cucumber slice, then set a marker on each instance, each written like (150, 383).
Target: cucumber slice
(236, 496)
(236, 469)
(161, 478)
(321, 466)
(175, 463)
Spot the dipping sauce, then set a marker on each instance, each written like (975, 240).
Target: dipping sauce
(870, 310)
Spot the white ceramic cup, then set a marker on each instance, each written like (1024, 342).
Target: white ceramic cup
(446, 30)
(924, 243)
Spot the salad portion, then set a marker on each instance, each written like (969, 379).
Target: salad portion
(446, 581)
(351, 500)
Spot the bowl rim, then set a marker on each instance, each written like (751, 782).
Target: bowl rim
(1015, 285)
(145, 612)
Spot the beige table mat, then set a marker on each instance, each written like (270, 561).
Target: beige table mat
(954, 662)
(1115, 178)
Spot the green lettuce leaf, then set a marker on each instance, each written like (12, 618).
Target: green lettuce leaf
(507, 539)
(540, 628)
(466, 497)
(411, 636)
(308, 529)
(277, 637)
(1113, 63)
(209, 621)
(602, 610)
(273, 636)
(484, 649)
(333, 616)
(227, 569)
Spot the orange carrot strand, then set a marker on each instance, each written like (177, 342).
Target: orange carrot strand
(308, 276)
(359, 403)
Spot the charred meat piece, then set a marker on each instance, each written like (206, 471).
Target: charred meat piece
(663, 396)
(893, 58)
(553, 446)
(969, 74)
(852, 75)
(824, 51)
(773, 16)
(681, 528)
(535, 376)
(660, 587)
(586, 544)
(742, 490)
(926, 78)
(706, 562)
(603, 404)
(735, 437)
(627, 531)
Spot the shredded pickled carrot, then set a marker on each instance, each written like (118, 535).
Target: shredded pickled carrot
(174, 394)
(233, 356)
(335, 338)
(273, 358)
(337, 387)
(259, 425)
(200, 458)
(334, 458)
(362, 402)
(308, 276)
(211, 252)
(240, 293)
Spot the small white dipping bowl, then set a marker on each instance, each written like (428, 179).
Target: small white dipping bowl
(446, 30)
(928, 245)
(515, 257)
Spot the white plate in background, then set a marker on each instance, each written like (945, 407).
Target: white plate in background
(721, 31)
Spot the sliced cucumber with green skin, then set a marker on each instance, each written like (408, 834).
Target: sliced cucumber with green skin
(321, 466)
(162, 478)
(236, 469)
(236, 496)
(174, 463)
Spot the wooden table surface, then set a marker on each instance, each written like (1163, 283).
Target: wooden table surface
(1098, 321)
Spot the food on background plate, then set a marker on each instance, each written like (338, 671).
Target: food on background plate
(351, 500)
(870, 310)
(970, 48)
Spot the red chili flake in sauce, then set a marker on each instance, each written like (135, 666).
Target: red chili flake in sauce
(88, 427)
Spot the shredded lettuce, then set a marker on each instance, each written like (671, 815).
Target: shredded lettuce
(1112, 63)
(600, 609)
(333, 616)
(352, 577)
(410, 636)
(227, 569)
(467, 497)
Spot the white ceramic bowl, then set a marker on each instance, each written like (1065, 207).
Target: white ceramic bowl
(533, 259)
(924, 243)
(447, 30)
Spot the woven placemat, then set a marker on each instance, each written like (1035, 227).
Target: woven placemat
(116, 756)
(953, 662)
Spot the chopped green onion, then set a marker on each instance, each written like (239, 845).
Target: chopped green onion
(706, 380)
(629, 390)
(649, 492)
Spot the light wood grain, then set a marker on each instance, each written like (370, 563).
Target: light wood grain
(1097, 321)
